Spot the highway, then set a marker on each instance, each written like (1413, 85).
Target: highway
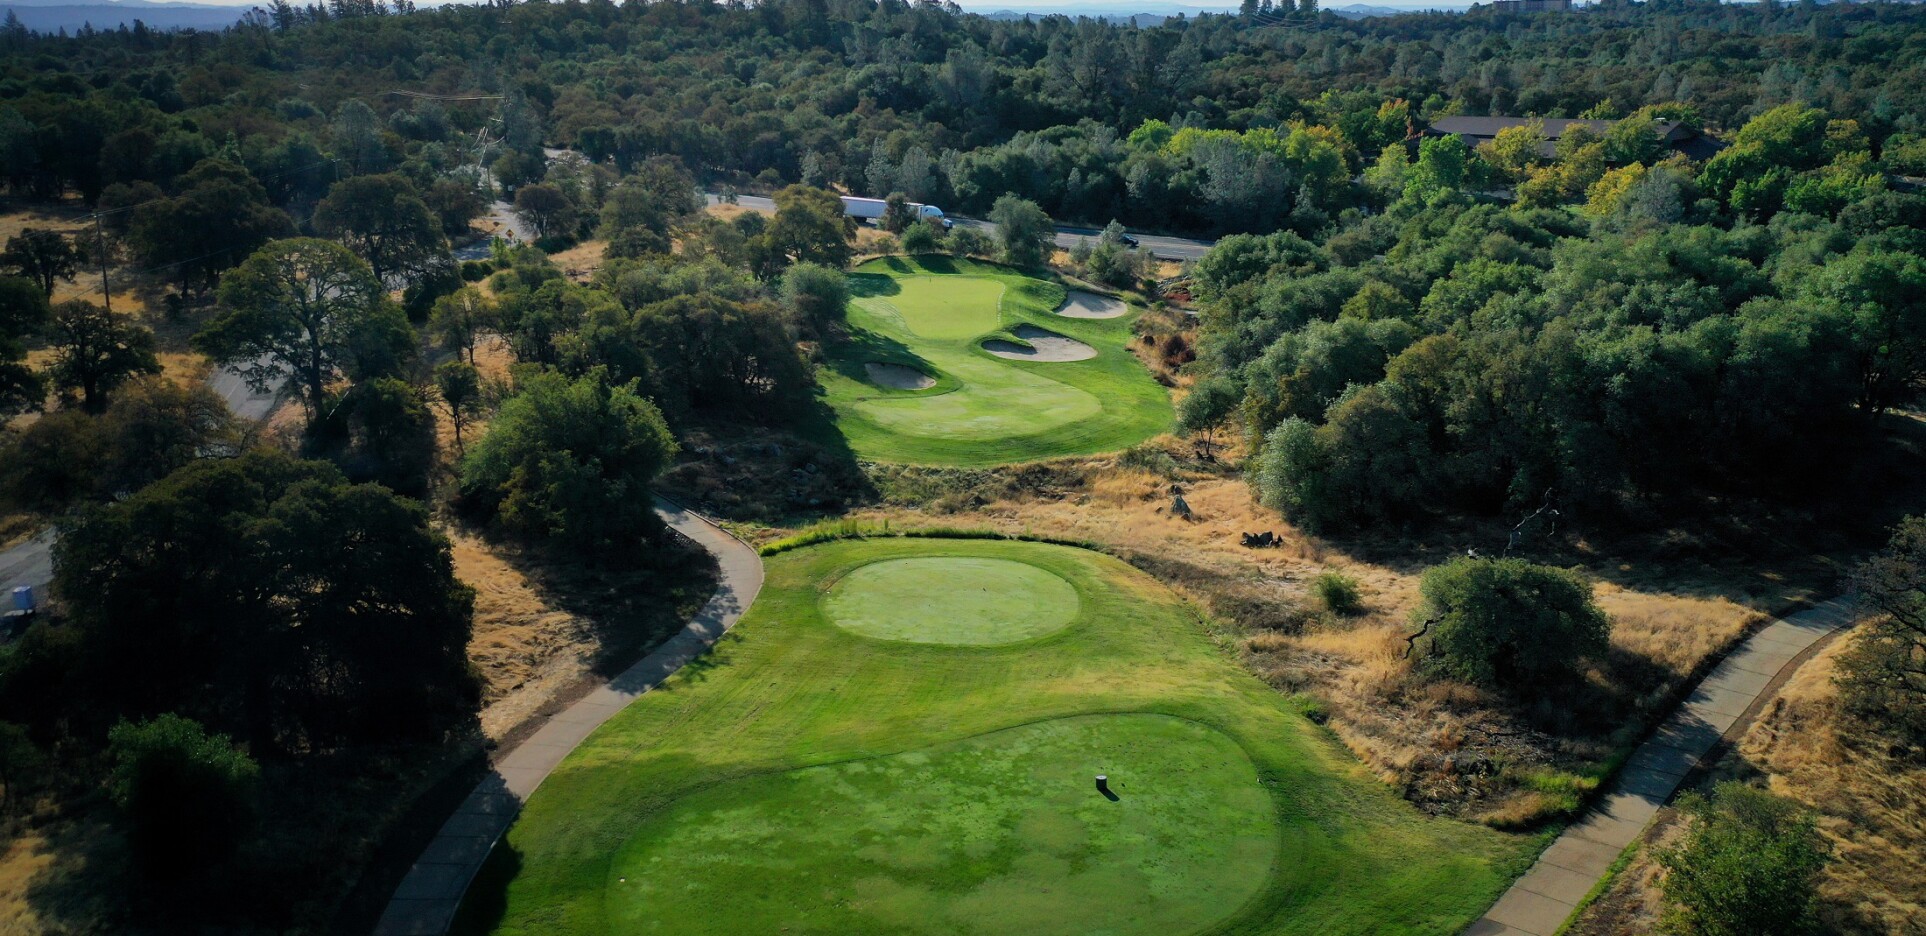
(1166, 248)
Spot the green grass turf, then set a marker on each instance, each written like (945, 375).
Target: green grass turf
(1001, 833)
(933, 314)
(737, 781)
(951, 600)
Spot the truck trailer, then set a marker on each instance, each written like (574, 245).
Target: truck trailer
(873, 209)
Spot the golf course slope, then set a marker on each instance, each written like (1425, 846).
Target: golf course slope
(814, 774)
(1008, 379)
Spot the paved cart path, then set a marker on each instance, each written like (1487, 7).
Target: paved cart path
(1541, 901)
(424, 904)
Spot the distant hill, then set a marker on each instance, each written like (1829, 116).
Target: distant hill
(48, 16)
(1365, 11)
(1152, 13)
(54, 15)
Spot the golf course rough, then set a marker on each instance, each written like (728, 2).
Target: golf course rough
(805, 778)
(951, 600)
(945, 317)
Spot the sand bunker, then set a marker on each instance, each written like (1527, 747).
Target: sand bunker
(1044, 346)
(1088, 305)
(898, 377)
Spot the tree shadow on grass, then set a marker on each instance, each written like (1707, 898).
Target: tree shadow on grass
(486, 902)
(872, 285)
(862, 347)
(700, 668)
(87, 867)
(938, 263)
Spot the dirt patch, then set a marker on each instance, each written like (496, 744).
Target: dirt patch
(898, 377)
(1043, 346)
(1089, 305)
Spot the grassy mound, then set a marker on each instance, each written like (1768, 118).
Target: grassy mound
(1001, 833)
(934, 314)
(951, 600)
(801, 778)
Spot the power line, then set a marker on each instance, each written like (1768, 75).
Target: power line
(446, 97)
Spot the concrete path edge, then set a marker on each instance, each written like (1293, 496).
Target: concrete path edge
(425, 902)
(1542, 901)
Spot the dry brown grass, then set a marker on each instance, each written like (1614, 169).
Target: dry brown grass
(1871, 808)
(52, 877)
(526, 651)
(728, 212)
(581, 261)
(16, 216)
(1871, 805)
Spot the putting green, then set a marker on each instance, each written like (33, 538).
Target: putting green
(933, 314)
(947, 306)
(1000, 833)
(951, 600)
(802, 778)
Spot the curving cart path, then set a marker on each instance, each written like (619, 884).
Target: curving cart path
(1540, 903)
(424, 904)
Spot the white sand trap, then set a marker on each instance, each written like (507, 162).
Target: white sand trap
(1044, 346)
(1080, 304)
(898, 377)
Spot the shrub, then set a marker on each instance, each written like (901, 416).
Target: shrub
(1338, 593)
(572, 461)
(1510, 624)
(1748, 867)
(1882, 677)
(187, 795)
(970, 242)
(815, 296)
(921, 238)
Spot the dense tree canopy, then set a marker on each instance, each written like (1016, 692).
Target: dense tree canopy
(268, 598)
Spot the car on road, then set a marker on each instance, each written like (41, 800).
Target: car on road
(1129, 241)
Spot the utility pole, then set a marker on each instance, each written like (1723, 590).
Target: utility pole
(100, 247)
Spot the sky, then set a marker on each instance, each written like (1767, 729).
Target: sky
(975, 6)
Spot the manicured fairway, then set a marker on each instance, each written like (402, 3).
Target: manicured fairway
(804, 778)
(934, 314)
(951, 600)
(1001, 833)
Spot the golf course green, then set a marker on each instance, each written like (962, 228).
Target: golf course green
(934, 315)
(813, 775)
(951, 600)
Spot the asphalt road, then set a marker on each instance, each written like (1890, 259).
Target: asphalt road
(502, 214)
(1167, 248)
(31, 562)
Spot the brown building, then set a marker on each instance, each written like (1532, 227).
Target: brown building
(1676, 136)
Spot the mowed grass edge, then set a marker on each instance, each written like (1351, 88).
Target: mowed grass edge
(1132, 405)
(787, 690)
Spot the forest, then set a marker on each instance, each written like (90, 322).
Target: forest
(1397, 332)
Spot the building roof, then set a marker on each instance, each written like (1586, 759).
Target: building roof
(1555, 127)
(1476, 130)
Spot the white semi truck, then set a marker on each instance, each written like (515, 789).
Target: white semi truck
(872, 209)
